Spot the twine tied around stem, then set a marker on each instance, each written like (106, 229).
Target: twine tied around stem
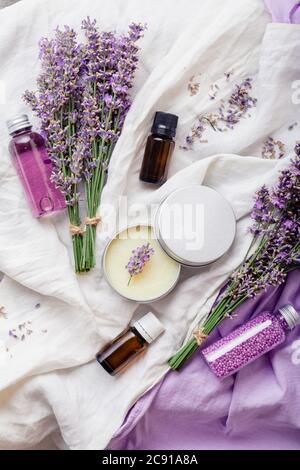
(79, 230)
(75, 230)
(93, 221)
(200, 337)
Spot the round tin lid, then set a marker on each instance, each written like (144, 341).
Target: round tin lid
(195, 225)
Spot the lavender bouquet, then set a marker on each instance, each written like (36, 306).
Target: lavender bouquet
(274, 252)
(110, 64)
(82, 99)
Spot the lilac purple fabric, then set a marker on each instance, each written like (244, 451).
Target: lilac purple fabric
(259, 408)
(284, 11)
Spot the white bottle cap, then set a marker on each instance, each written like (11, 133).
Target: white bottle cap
(149, 327)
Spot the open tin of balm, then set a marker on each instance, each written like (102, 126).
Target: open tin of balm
(158, 276)
(193, 227)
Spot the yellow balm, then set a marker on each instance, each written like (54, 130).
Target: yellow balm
(159, 275)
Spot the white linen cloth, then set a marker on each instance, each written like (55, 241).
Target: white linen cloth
(50, 383)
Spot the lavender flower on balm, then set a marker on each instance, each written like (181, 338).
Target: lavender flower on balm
(140, 256)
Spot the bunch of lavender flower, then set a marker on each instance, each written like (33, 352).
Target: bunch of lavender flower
(82, 99)
(274, 252)
(110, 64)
(140, 256)
(57, 103)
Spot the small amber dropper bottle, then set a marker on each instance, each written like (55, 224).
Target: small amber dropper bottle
(130, 344)
(159, 149)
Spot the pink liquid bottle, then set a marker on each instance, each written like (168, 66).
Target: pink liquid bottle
(33, 166)
(250, 341)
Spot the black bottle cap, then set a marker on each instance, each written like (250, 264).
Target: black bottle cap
(165, 124)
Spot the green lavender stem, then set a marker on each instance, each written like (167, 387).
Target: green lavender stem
(221, 311)
(73, 211)
(74, 217)
(93, 189)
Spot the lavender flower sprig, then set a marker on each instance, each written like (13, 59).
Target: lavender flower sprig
(140, 256)
(274, 252)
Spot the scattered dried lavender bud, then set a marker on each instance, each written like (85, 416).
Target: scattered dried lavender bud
(13, 334)
(229, 113)
(273, 149)
(21, 331)
(3, 313)
(292, 126)
(193, 86)
(228, 75)
(7, 351)
(37, 305)
(213, 91)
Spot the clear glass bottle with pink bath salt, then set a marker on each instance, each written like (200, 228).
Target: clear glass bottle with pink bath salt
(34, 168)
(250, 341)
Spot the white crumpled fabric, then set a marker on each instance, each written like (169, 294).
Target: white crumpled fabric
(51, 386)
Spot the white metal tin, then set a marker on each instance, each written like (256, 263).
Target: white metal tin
(195, 226)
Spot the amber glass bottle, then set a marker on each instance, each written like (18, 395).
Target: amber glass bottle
(159, 149)
(130, 344)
